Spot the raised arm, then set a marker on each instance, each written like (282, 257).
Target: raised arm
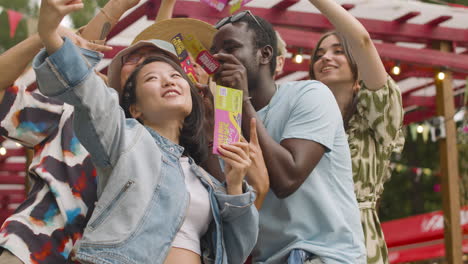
(291, 161)
(371, 68)
(100, 26)
(165, 10)
(14, 61)
(66, 72)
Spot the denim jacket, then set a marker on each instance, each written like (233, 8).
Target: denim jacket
(142, 195)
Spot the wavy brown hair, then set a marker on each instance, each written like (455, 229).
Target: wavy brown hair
(346, 49)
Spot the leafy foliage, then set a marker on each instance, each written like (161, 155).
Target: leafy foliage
(407, 193)
(30, 11)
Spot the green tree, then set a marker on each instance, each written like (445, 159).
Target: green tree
(30, 11)
(407, 193)
(83, 16)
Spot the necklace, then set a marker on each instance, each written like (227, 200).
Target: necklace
(267, 111)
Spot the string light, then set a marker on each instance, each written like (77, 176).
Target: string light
(420, 129)
(3, 151)
(18, 144)
(299, 58)
(441, 76)
(396, 69)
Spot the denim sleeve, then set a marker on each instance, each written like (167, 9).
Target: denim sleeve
(240, 223)
(68, 74)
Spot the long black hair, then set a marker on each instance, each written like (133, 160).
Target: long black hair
(192, 137)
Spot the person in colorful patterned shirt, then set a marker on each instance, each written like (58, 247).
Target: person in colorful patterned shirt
(348, 63)
(47, 224)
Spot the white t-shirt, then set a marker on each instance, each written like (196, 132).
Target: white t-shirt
(198, 215)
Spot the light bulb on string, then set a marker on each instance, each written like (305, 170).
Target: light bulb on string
(299, 58)
(3, 151)
(441, 76)
(396, 69)
(419, 129)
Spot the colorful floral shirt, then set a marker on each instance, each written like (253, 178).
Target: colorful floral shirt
(46, 225)
(375, 132)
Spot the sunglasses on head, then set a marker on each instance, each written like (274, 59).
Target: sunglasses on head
(237, 17)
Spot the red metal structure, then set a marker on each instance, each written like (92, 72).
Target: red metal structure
(302, 30)
(420, 237)
(12, 180)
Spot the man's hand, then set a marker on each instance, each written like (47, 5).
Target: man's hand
(208, 104)
(257, 175)
(232, 73)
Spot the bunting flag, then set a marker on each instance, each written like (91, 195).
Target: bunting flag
(14, 18)
(425, 133)
(398, 167)
(413, 132)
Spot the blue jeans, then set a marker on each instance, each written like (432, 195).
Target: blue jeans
(299, 256)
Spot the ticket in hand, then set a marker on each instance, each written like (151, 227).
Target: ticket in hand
(201, 55)
(217, 4)
(184, 58)
(228, 116)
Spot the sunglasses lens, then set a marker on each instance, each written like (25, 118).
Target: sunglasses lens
(238, 16)
(222, 22)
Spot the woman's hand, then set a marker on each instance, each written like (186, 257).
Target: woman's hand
(237, 162)
(257, 175)
(51, 14)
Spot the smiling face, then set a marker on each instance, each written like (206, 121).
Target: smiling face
(161, 93)
(330, 63)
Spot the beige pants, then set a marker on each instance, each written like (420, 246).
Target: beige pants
(8, 258)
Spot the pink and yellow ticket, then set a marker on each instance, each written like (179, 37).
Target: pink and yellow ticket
(228, 116)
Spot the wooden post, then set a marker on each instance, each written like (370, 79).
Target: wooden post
(449, 166)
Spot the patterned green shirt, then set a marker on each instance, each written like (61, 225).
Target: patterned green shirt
(375, 132)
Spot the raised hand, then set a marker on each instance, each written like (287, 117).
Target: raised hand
(51, 14)
(257, 175)
(237, 163)
(232, 73)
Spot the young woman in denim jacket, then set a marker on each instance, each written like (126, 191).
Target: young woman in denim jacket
(143, 199)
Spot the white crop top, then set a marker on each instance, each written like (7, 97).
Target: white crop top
(198, 215)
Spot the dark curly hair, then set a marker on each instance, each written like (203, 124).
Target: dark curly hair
(192, 137)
